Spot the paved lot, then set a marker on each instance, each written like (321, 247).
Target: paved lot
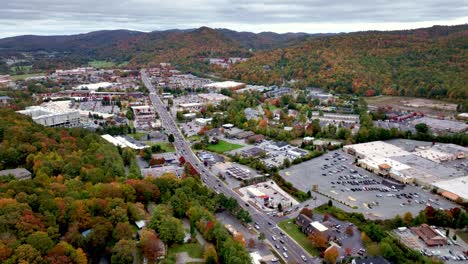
(274, 157)
(190, 128)
(448, 253)
(340, 176)
(273, 191)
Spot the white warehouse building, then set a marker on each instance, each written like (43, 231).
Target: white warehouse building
(50, 118)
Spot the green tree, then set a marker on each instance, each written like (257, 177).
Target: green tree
(210, 255)
(422, 128)
(129, 114)
(123, 252)
(123, 231)
(171, 230)
(27, 254)
(171, 138)
(40, 241)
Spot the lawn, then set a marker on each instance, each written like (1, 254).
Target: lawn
(137, 135)
(101, 64)
(24, 76)
(165, 146)
(293, 231)
(223, 146)
(194, 250)
(463, 235)
(272, 107)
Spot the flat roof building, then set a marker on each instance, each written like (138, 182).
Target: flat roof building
(225, 85)
(18, 173)
(50, 118)
(454, 189)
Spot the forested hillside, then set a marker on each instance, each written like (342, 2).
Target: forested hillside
(428, 62)
(81, 206)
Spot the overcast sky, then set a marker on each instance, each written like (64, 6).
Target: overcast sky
(52, 17)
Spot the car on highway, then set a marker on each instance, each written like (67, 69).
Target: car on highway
(257, 227)
(285, 254)
(277, 246)
(285, 249)
(304, 258)
(274, 260)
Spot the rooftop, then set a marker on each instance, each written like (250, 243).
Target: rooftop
(458, 186)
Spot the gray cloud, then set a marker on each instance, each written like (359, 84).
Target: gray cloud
(64, 17)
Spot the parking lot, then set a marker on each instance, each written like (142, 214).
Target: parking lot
(451, 253)
(336, 176)
(275, 152)
(266, 196)
(190, 128)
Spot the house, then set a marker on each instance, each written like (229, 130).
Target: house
(430, 236)
(303, 221)
(309, 226)
(370, 260)
(18, 173)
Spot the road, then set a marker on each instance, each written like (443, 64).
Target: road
(266, 224)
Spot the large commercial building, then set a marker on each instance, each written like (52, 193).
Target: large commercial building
(53, 117)
(454, 189)
(424, 165)
(225, 85)
(145, 117)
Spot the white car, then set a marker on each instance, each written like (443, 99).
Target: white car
(274, 259)
(303, 258)
(285, 254)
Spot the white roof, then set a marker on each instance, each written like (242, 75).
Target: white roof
(226, 84)
(458, 186)
(140, 224)
(141, 107)
(378, 148)
(255, 192)
(121, 142)
(94, 86)
(190, 105)
(214, 97)
(256, 257)
(317, 225)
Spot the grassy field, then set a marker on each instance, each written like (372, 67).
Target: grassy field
(194, 250)
(463, 235)
(165, 146)
(272, 107)
(223, 146)
(101, 64)
(293, 231)
(24, 76)
(137, 135)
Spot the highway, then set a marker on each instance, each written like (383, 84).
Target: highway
(266, 224)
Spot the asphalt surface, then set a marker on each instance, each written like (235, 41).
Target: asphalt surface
(266, 224)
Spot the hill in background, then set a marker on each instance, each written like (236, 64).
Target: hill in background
(428, 62)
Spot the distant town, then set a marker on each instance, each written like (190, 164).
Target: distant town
(322, 176)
